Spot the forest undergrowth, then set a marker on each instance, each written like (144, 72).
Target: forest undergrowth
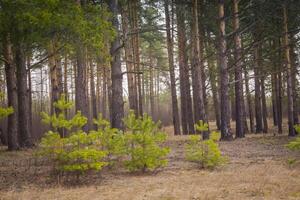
(259, 167)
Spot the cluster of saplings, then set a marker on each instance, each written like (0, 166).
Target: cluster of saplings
(140, 147)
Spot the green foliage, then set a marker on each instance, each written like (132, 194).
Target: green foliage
(143, 144)
(111, 139)
(60, 121)
(4, 112)
(204, 152)
(80, 152)
(201, 126)
(295, 144)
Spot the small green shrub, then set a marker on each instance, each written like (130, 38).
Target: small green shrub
(143, 144)
(4, 112)
(295, 144)
(111, 139)
(78, 153)
(204, 152)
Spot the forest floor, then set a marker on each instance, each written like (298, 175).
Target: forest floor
(258, 168)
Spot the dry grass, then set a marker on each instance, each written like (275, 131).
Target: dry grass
(258, 169)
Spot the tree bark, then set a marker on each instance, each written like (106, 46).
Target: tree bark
(81, 99)
(175, 112)
(289, 74)
(12, 96)
(25, 139)
(249, 101)
(239, 93)
(264, 106)
(93, 94)
(258, 106)
(117, 105)
(29, 93)
(199, 110)
(225, 114)
(185, 95)
(132, 89)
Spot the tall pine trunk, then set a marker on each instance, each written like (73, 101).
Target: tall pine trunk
(117, 104)
(239, 94)
(175, 112)
(198, 100)
(93, 93)
(12, 96)
(224, 76)
(25, 139)
(257, 82)
(185, 93)
(289, 74)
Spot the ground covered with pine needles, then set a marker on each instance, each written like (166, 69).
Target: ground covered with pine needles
(259, 167)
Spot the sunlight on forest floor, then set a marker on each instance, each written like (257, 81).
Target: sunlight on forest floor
(258, 169)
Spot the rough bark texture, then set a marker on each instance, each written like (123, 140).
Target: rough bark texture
(289, 74)
(239, 93)
(224, 76)
(29, 93)
(12, 96)
(117, 105)
(25, 139)
(175, 112)
(294, 79)
(264, 106)
(198, 100)
(53, 79)
(93, 93)
(81, 99)
(132, 90)
(258, 106)
(185, 95)
(133, 10)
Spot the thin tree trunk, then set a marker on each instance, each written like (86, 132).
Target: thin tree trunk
(264, 106)
(289, 74)
(132, 90)
(199, 110)
(214, 89)
(274, 103)
(93, 94)
(258, 106)
(53, 68)
(104, 92)
(151, 77)
(29, 92)
(294, 80)
(249, 101)
(175, 112)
